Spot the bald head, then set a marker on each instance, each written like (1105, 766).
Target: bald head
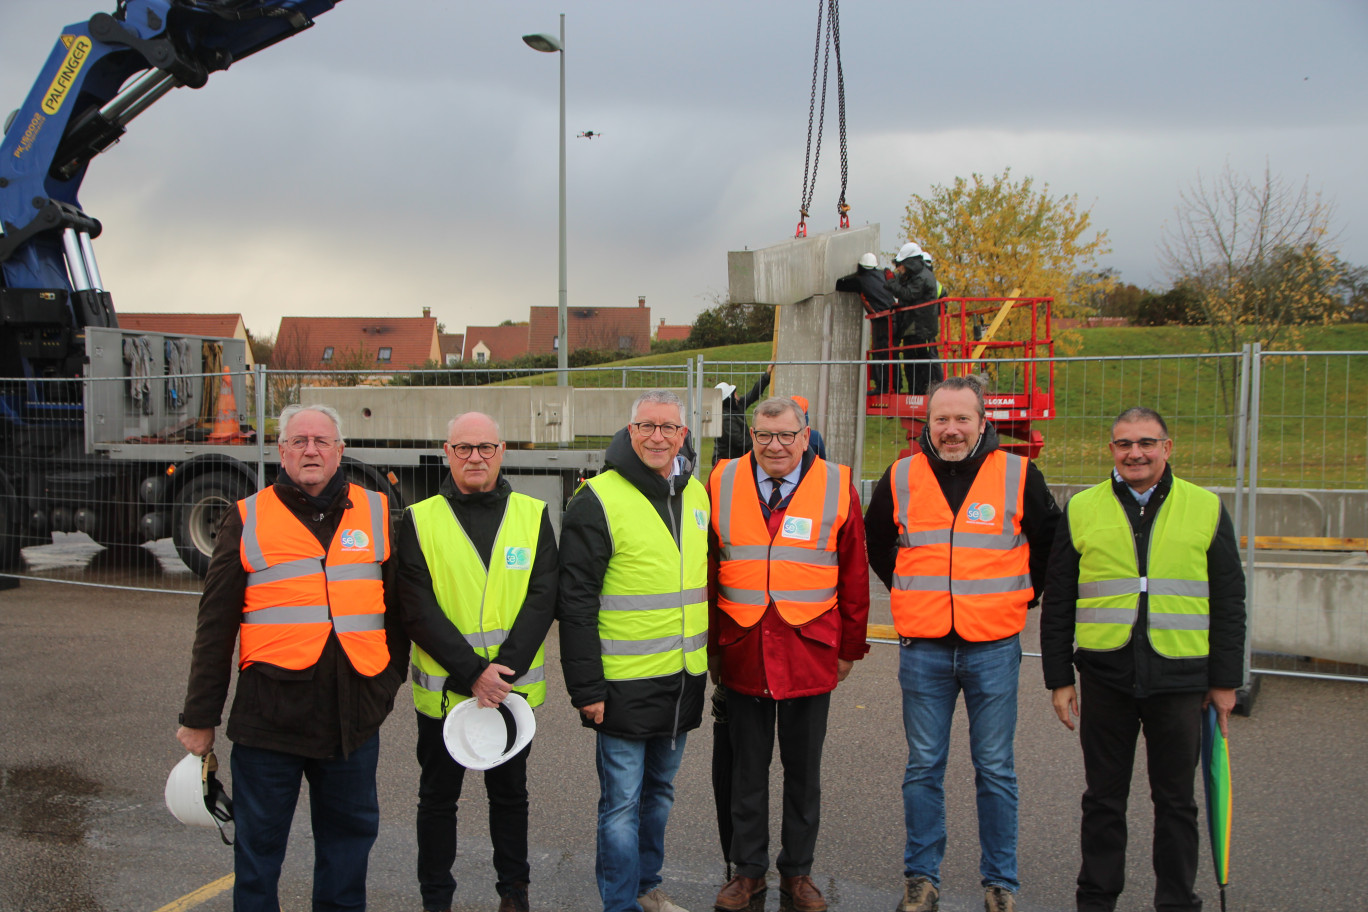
(471, 469)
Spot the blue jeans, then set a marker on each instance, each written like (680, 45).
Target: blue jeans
(343, 809)
(636, 792)
(932, 674)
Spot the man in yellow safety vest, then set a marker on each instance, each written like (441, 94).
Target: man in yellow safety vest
(477, 580)
(1145, 575)
(633, 613)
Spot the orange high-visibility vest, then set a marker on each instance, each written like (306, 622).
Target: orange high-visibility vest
(971, 571)
(297, 594)
(797, 568)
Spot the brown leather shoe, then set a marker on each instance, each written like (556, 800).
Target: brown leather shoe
(515, 900)
(800, 894)
(741, 894)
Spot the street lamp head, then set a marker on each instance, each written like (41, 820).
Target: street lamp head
(547, 44)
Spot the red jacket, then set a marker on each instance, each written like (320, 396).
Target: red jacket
(776, 660)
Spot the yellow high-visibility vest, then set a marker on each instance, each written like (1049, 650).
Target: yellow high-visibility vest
(653, 608)
(1109, 580)
(481, 603)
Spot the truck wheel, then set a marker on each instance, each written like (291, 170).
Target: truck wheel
(199, 510)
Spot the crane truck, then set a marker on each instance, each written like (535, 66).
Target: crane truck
(100, 428)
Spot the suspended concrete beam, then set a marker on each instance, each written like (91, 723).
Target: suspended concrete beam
(816, 324)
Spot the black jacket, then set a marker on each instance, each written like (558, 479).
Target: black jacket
(643, 708)
(1039, 515)
(480, 515)
(323, 711)
(916, 285)
(870, 284)
(735, 440)
(1136, 668)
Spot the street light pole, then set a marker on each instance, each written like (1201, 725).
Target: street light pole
(548, 44)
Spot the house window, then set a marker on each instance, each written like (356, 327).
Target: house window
(479, 357)
(384, 354)
(328, 353)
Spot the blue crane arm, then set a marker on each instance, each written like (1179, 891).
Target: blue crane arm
(100, 75)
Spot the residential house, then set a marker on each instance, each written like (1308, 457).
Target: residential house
(356, 343)
(595, 328)
(486, 344)
(452, 346)
(672, 332)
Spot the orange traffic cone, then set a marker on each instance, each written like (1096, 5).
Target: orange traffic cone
(225, 419)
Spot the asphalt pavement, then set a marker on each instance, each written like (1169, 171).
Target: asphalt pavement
(91, 680)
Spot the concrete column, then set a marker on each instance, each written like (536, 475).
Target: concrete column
(816, 323)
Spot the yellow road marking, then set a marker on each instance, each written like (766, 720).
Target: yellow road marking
(203, 894)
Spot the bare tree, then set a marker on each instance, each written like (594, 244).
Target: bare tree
(1252, 252)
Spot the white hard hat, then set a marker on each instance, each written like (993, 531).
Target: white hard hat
(926, 257)
(908, 251)
(869, 260)
(726, 388)
(194, 795)
(481, 738)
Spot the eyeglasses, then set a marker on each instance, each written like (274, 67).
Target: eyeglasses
(322, 444)
(647, 428)
(463, 450)
(1146, 444)
(785, 437)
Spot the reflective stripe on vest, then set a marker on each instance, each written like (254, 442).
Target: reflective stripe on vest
(653, 617)
(801, 557)
(481, 602)
(1109, 581)
(297, 594)
(969, 572)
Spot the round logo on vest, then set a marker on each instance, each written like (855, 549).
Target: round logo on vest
(518, 558)
(354, 540)
(981, 513)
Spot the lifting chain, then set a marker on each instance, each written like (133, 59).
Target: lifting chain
(828, 11)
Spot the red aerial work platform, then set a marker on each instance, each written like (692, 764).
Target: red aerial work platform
(974, 334)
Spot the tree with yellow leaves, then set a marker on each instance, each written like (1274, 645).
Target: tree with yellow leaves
(991, 235)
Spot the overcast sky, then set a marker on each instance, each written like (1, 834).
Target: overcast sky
(403, 153)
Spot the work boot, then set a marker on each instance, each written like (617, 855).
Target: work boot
(515, 900)
(999, 899)
(657, 901)
(920, 895)
(741, 894)
(800, 894)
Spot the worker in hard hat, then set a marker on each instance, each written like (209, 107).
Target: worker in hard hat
(871, 284)
(788, 614)
(633, 615)
(735, 440)
(918, 328)
(960, 534)
(297, 583)
(481, 559)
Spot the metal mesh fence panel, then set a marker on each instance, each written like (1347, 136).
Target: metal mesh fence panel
(121, 481)
(1309, 566)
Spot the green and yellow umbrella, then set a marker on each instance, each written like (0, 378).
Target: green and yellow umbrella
(1216, 776)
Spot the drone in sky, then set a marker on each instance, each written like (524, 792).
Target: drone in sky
(588, 134)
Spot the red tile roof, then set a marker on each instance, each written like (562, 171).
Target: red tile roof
(670, 332)
(303, 342)
(220, 325)
(597, 328)
(504, 342)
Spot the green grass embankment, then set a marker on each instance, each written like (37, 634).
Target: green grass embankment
(1313, 428)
